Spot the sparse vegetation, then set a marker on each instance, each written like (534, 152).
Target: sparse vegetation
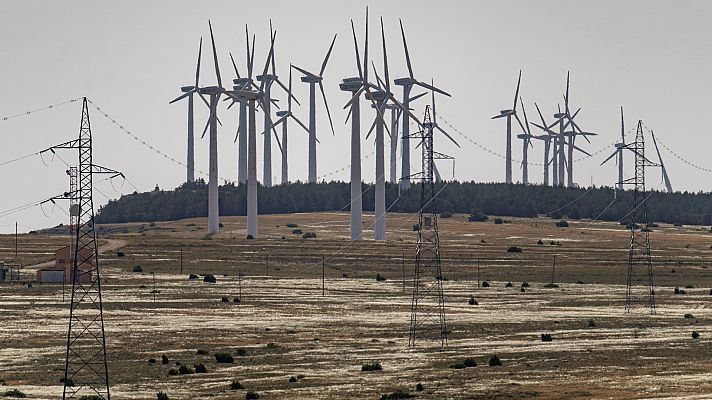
(200, 368)
(508, 284)
(472, 301)
(185, 370)
(446, 214)
(292, 379)
(494, 361)
(14, 393)
(562, 224)
(514, 249)
(689, 316)
(485, 284)
(375, 366)
(309, 235)
(397, 395)
(677, 290)
(209, 278)
(251, 396)
(591, 323)
(419, 387)
(202, 352)
(164, 359)
(477, 216)
(137, 268)
(224, 358)
(380, 278)
(498, 221)
(468, 363)
(297, 232)
(236, 385)
(161, 396)
(193, 276)
(292, 225)
(120, 254)
(545, 337)
(225, 300)
(695, 335)
(525, 284)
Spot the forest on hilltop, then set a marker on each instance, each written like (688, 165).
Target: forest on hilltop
(515, 200)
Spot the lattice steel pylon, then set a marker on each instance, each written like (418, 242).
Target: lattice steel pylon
(427, 318)
(86, 370)
(639, 285)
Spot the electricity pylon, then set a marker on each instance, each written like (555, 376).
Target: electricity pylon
(639, 285)
(427, 318)
(86, 371)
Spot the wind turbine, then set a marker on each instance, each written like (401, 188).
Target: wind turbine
(312, 80)
(526, 142)
(571, 135)
(214, 92)
(284, 119)
(354, 85)
(189, 91)
(508, 114)
(241, 83)
(618, 153)
(267, 80)
(407, 84)
(665, 177)
(547, 139)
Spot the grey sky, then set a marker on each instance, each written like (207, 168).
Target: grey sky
(131, 57)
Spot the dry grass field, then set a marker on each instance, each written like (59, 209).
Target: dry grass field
(284, 327)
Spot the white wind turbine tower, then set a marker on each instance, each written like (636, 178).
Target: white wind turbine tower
(434, 125)
(618, 153)
(241, 133)
(312, 80)
(189, 91)
(267, 80)
(508, 114)
(355, 85)
(526, 143)
(407, 84)
(214, 92)
(284, 119)
(665, 177)
(547, 139)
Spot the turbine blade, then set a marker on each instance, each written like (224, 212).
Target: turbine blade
(358, 56)
(290, 96)
(526, 121)
(323, 96)
(215, 55)
(540, 115)
(433, 88)
(269, 57)
(373, 125)
(622, 127)
(247, 55)
(348, 115)
(448, 136)
(516, 93)
(355, 96)
(294, 117)
(234, 66)
(609, 157)
(378, 78)
(385, 59)
(521, 125)
(566, 98)
(181, 97)
(197, 69)
(416, 97)
(365, 52)
(305, 72)
(405, 46)
(326, 59)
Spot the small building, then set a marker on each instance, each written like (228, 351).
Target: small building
(61, 271)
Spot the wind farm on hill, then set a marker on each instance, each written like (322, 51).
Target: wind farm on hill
(396, 283)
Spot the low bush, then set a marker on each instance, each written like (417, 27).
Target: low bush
(120, 254)
(591, 323)
(172, 371)
(309, 235)
(242, 352)
(292, 379)
(209, 278)
(236, 385)
(677, 290)
(689, 316)
(562, 224)
(419, 387)
(539, 242)
(137, 268)
(380, 278)
(250, 237)
(200, 369)
(551, 286)
(236, 300)
(151, 360)
(485, 284)
(193, 276)
(545, 337)
(161, 396)
(290, 225)
(224, 358)
(376, 366)
(494, 361)
(498, 221)
(397, 395)
(251, 396)
(525, 284)
(14, 393)
(508, 284)
(472, 301)
(689, 286)
(514, 249)
(164, 359)
(695, 335)
(202, 352)
(297, 232)
(225, 300)
(477, 216)
(446, 214)
(185, 370)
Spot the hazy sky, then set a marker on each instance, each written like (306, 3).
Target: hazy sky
(131, 57)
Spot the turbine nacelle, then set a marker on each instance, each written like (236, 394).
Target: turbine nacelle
(282, 113)
(351, 84)
(186, 89)
(407, 81)
(505, 113)
(311, 79)
(210, 90)
(378, 95)
(267, 77)
(559, 115)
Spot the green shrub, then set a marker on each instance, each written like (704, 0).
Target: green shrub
(202, 352)
(477, 216)
(164, 359)
(161, 396)
(419, 387)
(297, 231)
(494, 361)
(539, 242)
(498, 221)
(309, 235)
(172, 371)
(225, 299)
(251, 396)
(224, 358)
(695, 335)
(545, 337)
(236, 385)
(525, 284)
(137, 268)
(292, 226)
(209, 278)
(562, 224)
(514, 249)
(185, 370)
(376, 366)
(193, 276)
(120, 254)
(380, 278)
(472, 301)
(508, 284)
(151, 360)
(293, 379)
(200, 369)
(397, 395)
(14, 393)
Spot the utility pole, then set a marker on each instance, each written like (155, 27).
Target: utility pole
(16, 260)
(239, 283)
(86, 370)
(403, 270)
(323, 276)
(427, 318)
(478, 273)
(153, 275)
(181, 259)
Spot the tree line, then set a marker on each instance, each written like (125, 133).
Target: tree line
(515, 200)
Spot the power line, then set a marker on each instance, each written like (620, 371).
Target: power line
(49, 107)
